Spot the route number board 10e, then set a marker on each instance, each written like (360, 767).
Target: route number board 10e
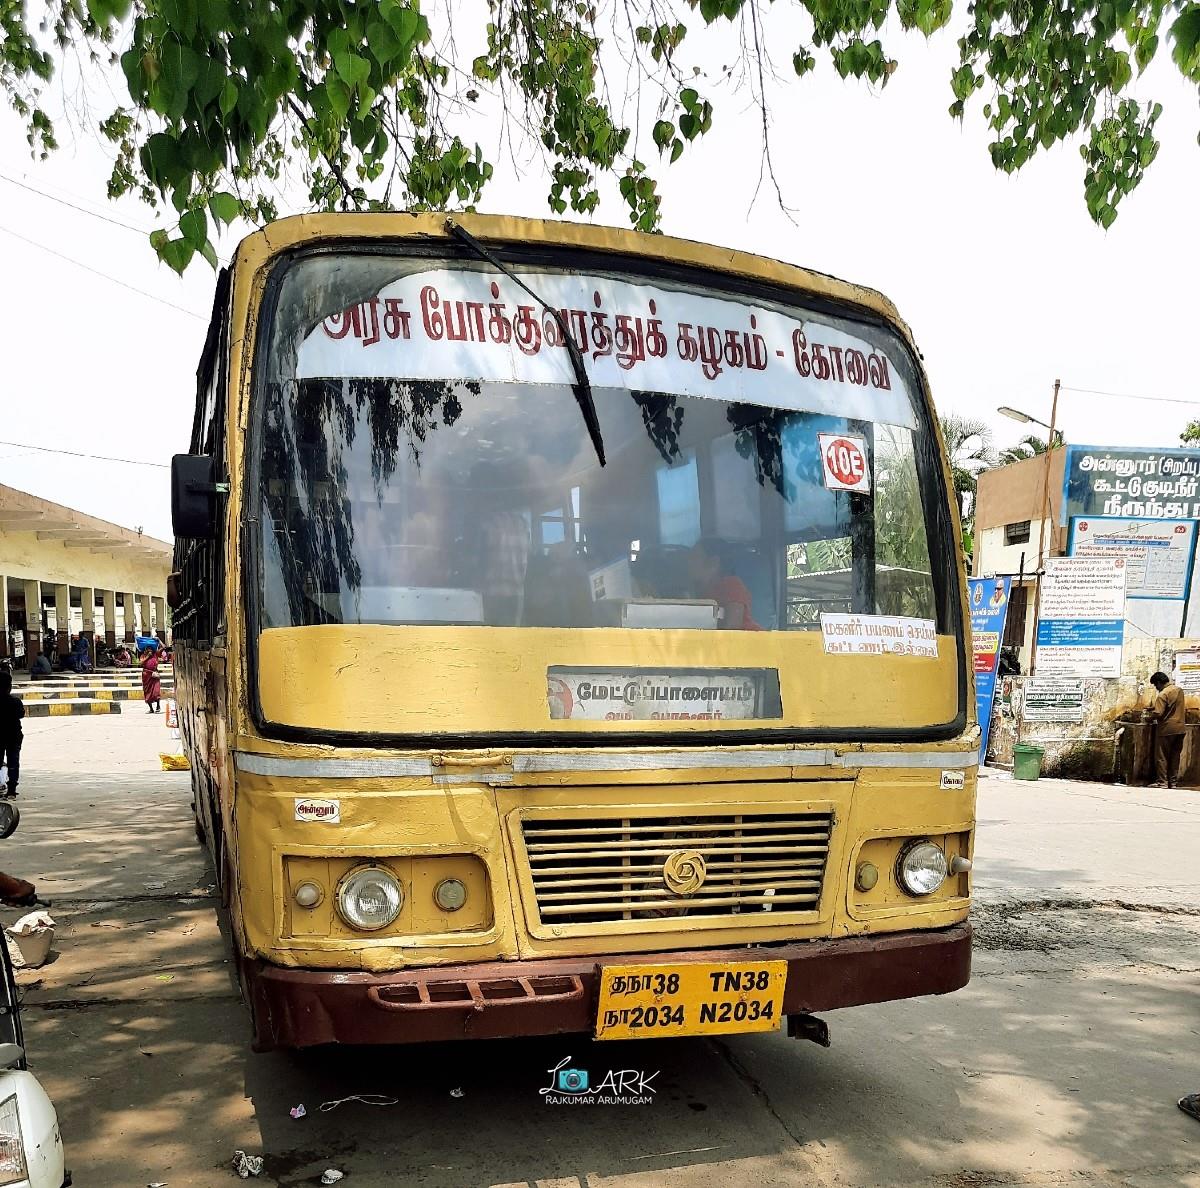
(844, 462)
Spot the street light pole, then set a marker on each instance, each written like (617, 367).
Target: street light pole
(1047, 513)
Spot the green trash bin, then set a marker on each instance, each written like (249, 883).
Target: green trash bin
(1027, 761)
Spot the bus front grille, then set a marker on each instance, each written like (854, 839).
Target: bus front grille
(602, 869)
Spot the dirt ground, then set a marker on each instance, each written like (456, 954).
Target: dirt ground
(1059, 1064)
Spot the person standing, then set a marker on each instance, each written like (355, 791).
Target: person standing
(1169, 713)
(151, 685)
(12, 710)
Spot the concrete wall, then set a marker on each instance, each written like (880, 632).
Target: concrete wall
(1014, 492)
(1089, 749)
(1074, 750)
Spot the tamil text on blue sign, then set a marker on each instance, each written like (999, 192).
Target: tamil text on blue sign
(1125, 481)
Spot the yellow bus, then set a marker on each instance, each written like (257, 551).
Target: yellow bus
(569, 637)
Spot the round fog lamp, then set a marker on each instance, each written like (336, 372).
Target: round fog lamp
(369, 898)
(867, 876)
(922, 868)
(450, 895)
(308, 895)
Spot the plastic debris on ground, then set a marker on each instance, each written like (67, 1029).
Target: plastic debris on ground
(298, 1111)
(457, 1093)
(29, 939)
(174, 762)
(331, 1175)
(371, 1099)
(247, 1166)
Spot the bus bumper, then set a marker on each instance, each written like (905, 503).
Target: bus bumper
(300, 1008)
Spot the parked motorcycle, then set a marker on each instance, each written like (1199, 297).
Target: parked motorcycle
(31, 1147)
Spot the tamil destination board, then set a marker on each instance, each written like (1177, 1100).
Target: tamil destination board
(1125, 481)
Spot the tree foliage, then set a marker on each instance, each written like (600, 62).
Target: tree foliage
(1190, 434)
(1030, 446)
(224, 100)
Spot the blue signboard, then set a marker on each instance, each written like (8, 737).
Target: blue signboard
(1130, 482)
(1081, 633)
(989, 609)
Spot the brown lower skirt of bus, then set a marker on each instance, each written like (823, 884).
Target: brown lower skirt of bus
(295, 1008)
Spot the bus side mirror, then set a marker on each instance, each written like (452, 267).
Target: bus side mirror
(194, 496)
(174, 594)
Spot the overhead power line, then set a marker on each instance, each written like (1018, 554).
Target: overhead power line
(12, 181)
(142, 231)
(22, 445)
(191, 313)
(1131, 396)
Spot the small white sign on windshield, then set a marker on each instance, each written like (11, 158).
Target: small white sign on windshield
(456, 323)
(879, 635)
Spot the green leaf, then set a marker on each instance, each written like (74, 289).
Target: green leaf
(664, 130)
(223, 207)
(406, 22)
(229, 96)
(158, 239)
(1186, 34)
(339, 96)
(688, 97)
(177, 254)
(210, 254)
(193, 226)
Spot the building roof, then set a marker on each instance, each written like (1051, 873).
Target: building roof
(22, 512)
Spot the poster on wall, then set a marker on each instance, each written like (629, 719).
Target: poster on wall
(989, 609)
(1081, 620)
(1158, 553)
(1187, 671)
(1126, 481)
(1051, 700)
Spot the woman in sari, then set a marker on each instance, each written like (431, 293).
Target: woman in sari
(151, 685)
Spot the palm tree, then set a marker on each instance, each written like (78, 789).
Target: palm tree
(969, 444)
(1030, 446)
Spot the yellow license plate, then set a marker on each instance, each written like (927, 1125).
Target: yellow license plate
(701, 998)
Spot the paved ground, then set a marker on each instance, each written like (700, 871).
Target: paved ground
(1060, 1064)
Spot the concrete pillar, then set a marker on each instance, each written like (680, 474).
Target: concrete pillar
(144, 609)
(62, 618)
(110, 617)
(130, 616)
(160, 618)
(33, 619)
(87, 601)
(3, 617)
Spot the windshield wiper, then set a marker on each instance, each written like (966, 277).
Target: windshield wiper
(582, 387)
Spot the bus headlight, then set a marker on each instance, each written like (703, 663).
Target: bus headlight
(922, 868)
(369, 898)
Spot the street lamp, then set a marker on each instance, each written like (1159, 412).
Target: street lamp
(1046, 509)
(1015, 414)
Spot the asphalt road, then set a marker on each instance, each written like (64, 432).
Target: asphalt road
(1059, 1064)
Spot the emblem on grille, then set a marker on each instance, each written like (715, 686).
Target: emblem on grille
(684, 872)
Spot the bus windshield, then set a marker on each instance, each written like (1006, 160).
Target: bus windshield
(422, 458)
